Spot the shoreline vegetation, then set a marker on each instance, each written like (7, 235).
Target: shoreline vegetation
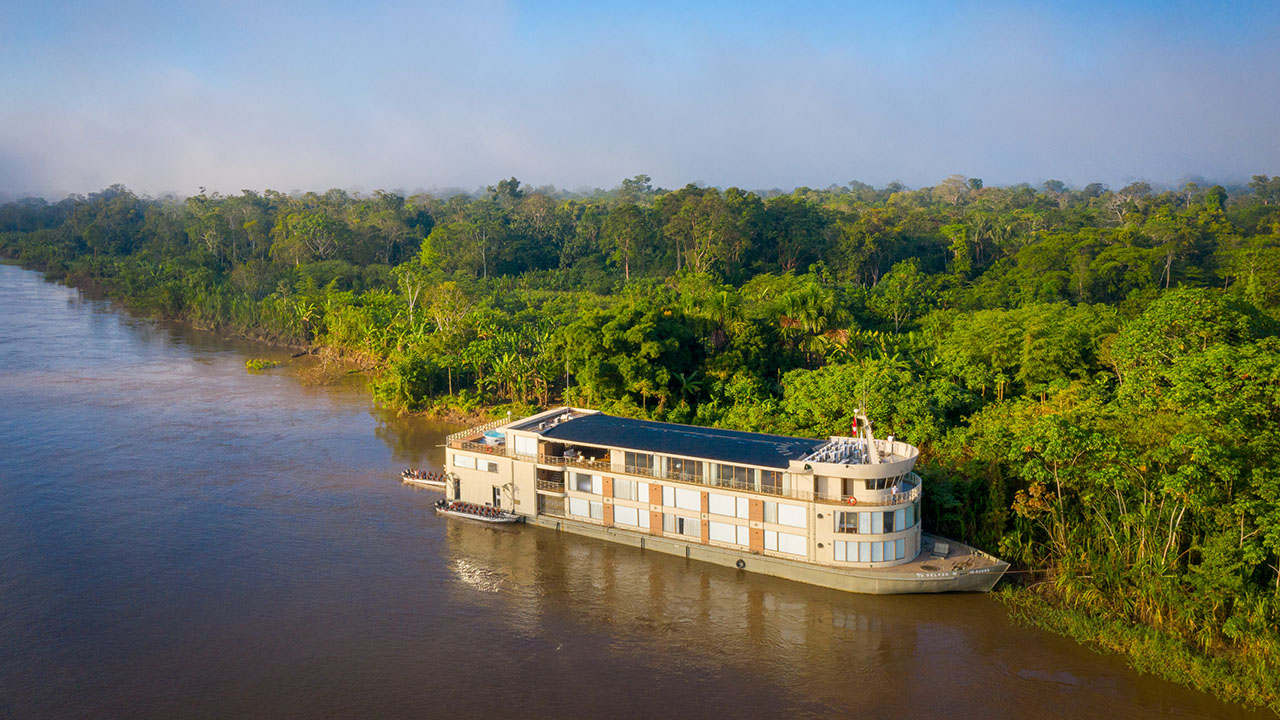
(1092, 375)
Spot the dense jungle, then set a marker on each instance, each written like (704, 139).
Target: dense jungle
(1092, 375)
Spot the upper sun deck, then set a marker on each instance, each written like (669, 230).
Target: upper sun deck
(837, 456)
(860, 457)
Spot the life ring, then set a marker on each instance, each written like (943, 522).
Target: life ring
(853, 500)
(741, 563)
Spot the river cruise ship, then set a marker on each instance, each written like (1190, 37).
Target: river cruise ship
(843, 512)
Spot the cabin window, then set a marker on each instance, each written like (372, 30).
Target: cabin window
(793, 544)
(900, 548)
(723, 532)
(718, 504)
(688, 499)
(686, 470)
(489, 466)
(526, 445)
(744, 509)
(864, 552)
(597, 511)
(877, 523)
(744, 535)
(579, 507)
(771, 540)
(681, 525)
(640, 463)
(900, 519)
(910, 515)
(623, 515)
(877, 552)
(464, 461)
(771, 482)
(793, 515)
(770, 512)
(846, 522)
(734, 476)
(624, 489)
(582, 482)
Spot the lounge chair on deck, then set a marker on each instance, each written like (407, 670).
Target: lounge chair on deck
(940, 550)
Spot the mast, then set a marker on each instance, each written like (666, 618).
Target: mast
(868, 439)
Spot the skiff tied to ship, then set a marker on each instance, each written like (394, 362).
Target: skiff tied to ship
(843, 512)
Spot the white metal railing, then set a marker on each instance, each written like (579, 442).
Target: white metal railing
(479, 429)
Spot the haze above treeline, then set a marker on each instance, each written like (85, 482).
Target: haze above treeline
(1192, 183)
(169, 97)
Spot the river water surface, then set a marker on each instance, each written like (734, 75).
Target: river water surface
(182, 539)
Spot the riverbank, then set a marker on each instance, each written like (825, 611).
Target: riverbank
(1234, 676)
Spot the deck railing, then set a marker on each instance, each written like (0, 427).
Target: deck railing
(551, 486)
(603, 466)
(479, 429)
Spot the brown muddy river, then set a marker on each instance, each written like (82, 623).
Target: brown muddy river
(182, 539)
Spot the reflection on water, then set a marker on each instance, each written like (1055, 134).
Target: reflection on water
(179, 538)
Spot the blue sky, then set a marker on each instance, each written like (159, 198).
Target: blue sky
(229, 95)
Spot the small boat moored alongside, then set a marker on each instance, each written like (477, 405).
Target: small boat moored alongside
(472, 511)
(424, 478)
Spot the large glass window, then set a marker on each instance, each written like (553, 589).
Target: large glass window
(582, 482)
(877, 522)
(688, 499)
(793, 515)
(793, 544)
(889, 518)
(579, 507)
(681, 525)
(770, 512)
(771, 481)
(718, 504)
(846, 522)
(723, 532)
(877, 552)
(864, 523)
(686, 470)
(735, 476)
(464, 461)
(910, 515)
(623, 515)
(639, 463)
(864, 552)
(597, 511)
(624, 489)
(900, 519)
(526, 445)
(901, 544)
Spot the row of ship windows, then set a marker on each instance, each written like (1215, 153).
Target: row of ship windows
(693, 470)
(684, 499)
(875, 523)
(845, 551)
(690, 527)
(884, 551)
(727, 475)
